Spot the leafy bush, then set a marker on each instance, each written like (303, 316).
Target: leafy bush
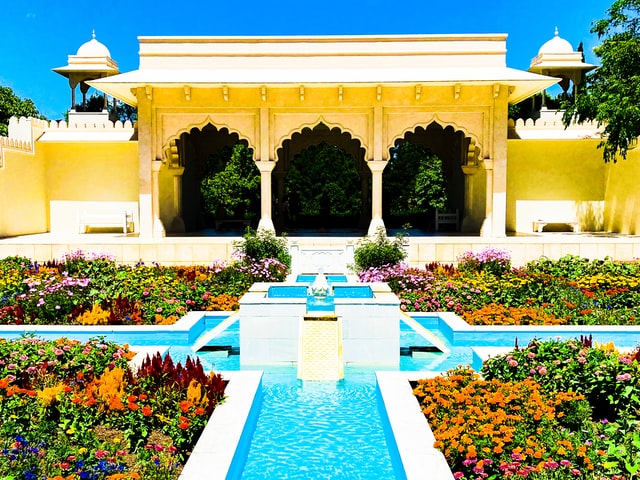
(379, 251)
(261, 244)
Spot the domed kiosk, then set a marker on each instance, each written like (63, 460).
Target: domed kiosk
(557, 58)
(91, 62)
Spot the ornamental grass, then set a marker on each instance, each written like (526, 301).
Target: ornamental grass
(72, 410)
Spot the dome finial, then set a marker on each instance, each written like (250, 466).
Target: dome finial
(93, 33)
(556, 32)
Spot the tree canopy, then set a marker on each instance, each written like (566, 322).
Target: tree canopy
(413, 181)
(13, 106)
(611, 93)
(231, 183)
(324, 177)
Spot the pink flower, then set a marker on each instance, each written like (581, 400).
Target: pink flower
(624, 377)
(542, 370)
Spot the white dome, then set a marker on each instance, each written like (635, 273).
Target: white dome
(93, 48)
(556, 45)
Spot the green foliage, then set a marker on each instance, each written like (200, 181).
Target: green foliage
(95, 103)
(262, 244)
(231, 183)
(379, 251)
(324, 173)
(611, 93)
(413, 181)
(13, 106)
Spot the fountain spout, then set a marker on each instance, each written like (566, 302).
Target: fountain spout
(320, 287)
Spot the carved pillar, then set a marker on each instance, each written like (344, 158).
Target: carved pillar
(177, 225)
(145, 158)
(499, 161)
(376, 167)
(486, 230)
(470, 211)
(266, 221)
(158, 228)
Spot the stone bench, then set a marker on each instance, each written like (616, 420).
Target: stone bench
(447, 218)
(538, 225)
(117, 220)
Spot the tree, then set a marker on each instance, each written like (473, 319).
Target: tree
(231, 182)
(611, 93)
(95, 103)
(325, 177)
(13, 106)
(413, 181)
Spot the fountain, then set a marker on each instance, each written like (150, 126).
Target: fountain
(273, 315)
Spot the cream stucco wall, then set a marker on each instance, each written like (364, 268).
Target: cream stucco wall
(23, 192)
(555, 180)
(622, 196)
(89, 177)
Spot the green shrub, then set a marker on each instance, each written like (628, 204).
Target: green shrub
(261, 244)
(379, 251)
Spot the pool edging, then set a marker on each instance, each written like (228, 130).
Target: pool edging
(222, 447)
(409, 428)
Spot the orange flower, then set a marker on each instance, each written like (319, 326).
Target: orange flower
(183, 425)
(133, 406)
(146, 411)
(185, 406)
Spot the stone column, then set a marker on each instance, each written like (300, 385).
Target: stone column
(487, 226)
(376, 167)
(469, 220)
(158, 228)
(145, 158)
(499, 158)
(177, 224)
(266, 222)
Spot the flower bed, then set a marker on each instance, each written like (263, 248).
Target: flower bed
(71, 410)
(552, 410)
(485, 290)
(89, 289)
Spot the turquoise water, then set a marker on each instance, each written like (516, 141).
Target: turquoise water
(322, 430)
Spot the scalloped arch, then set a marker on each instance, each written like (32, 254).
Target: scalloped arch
(201, 125)
(443, 124)
(311, 125)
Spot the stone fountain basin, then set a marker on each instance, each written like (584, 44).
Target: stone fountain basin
(270, 322)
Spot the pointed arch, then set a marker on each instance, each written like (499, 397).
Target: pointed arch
(443, 123)
(310, 126)
(170, 141)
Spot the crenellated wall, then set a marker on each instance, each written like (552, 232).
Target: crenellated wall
(51, 172)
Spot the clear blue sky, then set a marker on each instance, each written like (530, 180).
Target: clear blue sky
(38, 35)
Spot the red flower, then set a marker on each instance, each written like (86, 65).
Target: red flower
(146, 411)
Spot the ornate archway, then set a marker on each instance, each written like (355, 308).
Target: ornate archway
(299, 143)
(186, 159)
(458, 153)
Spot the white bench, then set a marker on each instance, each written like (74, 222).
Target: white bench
(120, 220)
(446, 218)
(538, 225)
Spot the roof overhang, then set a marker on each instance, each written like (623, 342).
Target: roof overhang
(520, 84)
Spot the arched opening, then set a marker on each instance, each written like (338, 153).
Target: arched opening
(425, 174)
(321, 183)
(220, 182)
